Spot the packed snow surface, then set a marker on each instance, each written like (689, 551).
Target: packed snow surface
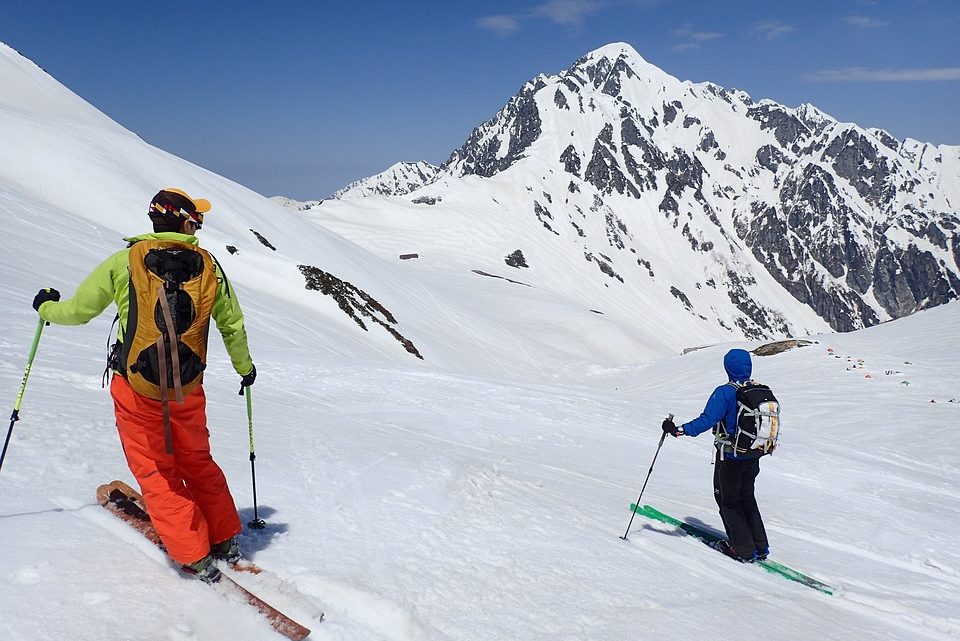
(477, 494)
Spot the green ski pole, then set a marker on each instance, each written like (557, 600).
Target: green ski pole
(15, 415)
(257, 523)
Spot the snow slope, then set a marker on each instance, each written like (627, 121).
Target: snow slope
(477, 494)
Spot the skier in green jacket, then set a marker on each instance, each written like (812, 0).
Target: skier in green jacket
(167, 444)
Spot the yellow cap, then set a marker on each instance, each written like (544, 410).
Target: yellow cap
(202, 205)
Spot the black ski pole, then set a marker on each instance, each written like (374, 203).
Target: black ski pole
(257, 523)
(636, 506)
(15, 415)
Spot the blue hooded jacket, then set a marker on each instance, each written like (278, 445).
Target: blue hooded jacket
(722, 404)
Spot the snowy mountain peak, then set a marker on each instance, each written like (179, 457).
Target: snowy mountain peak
(397, 180)
(618, 53)
(761, 202)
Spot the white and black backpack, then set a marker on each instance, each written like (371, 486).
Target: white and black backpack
(758, 422)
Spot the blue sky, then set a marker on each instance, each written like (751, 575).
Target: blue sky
(300, 98)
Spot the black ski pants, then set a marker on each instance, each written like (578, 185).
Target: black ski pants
(733, 487)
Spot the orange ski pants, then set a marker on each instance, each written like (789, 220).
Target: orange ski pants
(186, 491)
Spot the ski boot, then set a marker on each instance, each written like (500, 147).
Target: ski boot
(205, 569)
(228, 551)
(723, 546)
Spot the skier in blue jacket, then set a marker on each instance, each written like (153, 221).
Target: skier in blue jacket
(733, 474)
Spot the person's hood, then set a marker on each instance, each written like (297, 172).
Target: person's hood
(738, 365)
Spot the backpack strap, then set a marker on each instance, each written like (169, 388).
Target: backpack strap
(174, 350)
(226, 281)
(164, 401)
(721, 438)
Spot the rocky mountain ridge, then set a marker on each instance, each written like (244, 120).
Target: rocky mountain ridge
(397, 180)
(852, 223)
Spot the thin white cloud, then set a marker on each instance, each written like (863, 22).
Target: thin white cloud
(687, 31)
(567, 12)
(502, 25)
(691, 37)
(861, 74)
(865, 22)
(771, 29)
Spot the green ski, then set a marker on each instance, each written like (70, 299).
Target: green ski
(709, 537)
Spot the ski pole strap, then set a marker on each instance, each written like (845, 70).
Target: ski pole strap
(26, 373)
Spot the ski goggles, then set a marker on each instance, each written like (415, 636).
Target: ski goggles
(174, 202)
(179, 212)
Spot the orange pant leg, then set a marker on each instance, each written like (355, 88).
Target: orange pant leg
(201, 474)
(170, 484)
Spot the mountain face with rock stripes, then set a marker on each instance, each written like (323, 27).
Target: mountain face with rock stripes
(729, 205)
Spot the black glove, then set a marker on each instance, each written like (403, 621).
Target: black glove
(670, 428)
(248, 380)
(45, 295)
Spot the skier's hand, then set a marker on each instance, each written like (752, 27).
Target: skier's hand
(45, 295)
(248, 380)
(671, 429)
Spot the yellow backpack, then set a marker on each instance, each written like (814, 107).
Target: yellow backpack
(172, 284)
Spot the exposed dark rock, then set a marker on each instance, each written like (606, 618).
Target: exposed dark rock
(516, 259)
(542, 214)
(787, 128)
(646, 263)
(887, 140)
(426, 200)
(855, 158)
(560, 100)
(519, 120)
(908, 280)
(355, 303)
(778, 347)
(769, 157)
(670, 111)
(263, 241)
(620, 70)
(571, 161)
(643, 171)
(679, 295)
(708, 141)
(603, 171)
(509, 280)
(764, 321)
(616, 229)
(604, 264)
(689, 121)
(232, 249)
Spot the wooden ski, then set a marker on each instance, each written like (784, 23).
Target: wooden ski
(127, 504)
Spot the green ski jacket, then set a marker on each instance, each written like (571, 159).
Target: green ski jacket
(110, 282)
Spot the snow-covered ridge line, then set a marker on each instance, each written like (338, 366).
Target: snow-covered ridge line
(853, 224)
